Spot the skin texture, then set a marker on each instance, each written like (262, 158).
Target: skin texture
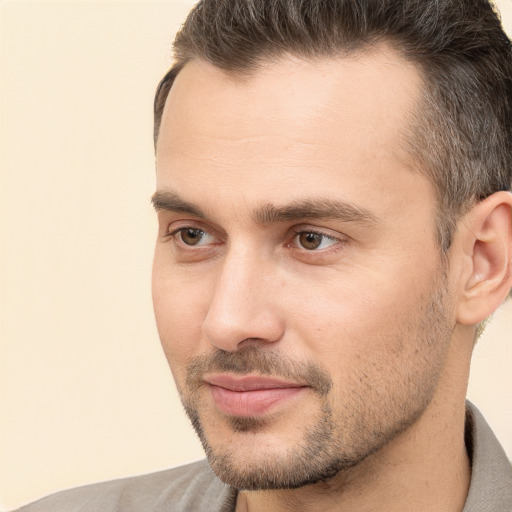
(255, 275)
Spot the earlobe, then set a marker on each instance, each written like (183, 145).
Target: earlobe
(487, 243)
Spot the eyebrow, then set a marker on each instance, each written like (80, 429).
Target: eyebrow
(315, 208)
(310, 208)
(169, 201)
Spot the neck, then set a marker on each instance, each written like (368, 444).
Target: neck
(426, 468)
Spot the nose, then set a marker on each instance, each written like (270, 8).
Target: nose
(243, 308)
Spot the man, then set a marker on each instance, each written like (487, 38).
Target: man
(333, 195)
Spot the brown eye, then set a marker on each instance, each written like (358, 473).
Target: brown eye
(310, 241)
(191, 236)
(314, 240)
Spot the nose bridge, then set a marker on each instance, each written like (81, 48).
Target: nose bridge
(241, 305)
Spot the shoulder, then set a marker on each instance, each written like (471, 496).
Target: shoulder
(191, 487)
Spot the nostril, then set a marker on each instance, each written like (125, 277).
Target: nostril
(232, 331)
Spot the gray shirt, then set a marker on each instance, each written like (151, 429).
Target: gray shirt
(194, 487)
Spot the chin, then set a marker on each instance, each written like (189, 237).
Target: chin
(250, 454)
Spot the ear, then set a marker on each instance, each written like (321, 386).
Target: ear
(487, 245)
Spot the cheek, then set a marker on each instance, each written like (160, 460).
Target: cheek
(180, 311)
(363, 320)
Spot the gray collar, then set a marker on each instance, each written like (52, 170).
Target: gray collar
(490, 489)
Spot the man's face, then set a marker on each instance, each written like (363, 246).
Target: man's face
(297, 285)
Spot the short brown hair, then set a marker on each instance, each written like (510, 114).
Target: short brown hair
(462, 133)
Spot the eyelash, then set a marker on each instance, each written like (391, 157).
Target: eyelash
(315, 233)
(172, 234)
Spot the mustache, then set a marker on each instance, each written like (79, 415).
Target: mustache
(262, 362)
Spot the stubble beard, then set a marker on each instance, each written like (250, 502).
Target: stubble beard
(336, 442)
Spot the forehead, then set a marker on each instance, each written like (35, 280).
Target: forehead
(334, 121)
(376, 85)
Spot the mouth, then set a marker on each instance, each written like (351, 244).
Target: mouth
(251, 395)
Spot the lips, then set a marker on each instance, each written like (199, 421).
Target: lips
(251, 396)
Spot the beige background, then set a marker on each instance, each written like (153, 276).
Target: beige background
(85, 393)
